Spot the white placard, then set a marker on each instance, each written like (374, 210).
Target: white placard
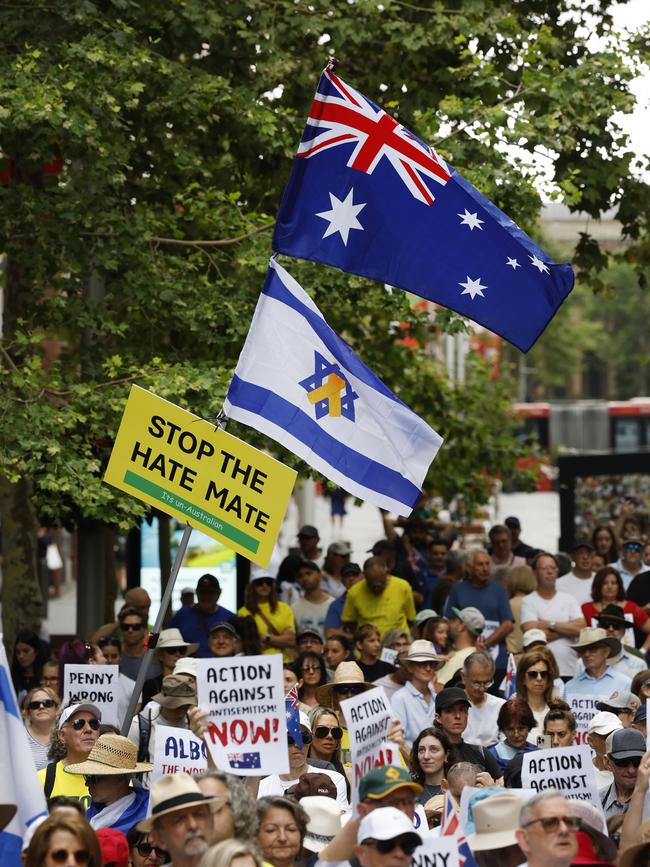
(583, 708)
(247, 726)
(178, 750)
(490, 627)
(570, 770)
(369, 718)
(436, 852)
(95, 684)
(388, 655)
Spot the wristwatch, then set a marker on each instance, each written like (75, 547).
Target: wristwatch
(551, 626)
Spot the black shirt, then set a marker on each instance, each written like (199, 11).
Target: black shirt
(378, 669)
(478, 756)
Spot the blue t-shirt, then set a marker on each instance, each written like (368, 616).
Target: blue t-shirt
(334, 616)
(195, 626)
(491, 600)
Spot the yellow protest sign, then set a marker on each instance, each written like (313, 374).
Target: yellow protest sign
(181, 464)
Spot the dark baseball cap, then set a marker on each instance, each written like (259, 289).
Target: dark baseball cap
(625, 744)
(312, 784)
(351, 569)
(208, 584)
(582, 543)
(308, 532)
(381, 547)
(223, 625)
(450, 696)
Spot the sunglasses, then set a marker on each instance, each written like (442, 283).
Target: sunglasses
(131, 627)
(110, 641)
(147, 848)
(623, 763)
(538, 675)
(349, 689)
(260, 581)
(79, 724)
(552, 823)
(306, 739)
(324, 731)
(310, 668)
(408, 843)
(175, 651)
(60, 856)
(45, 702)
(632, 546)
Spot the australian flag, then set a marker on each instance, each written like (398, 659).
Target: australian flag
(244, 760)
(291, 703)
(369, 197)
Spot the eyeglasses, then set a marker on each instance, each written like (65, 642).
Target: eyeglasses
(131, 627)
(537, 675)
(408, 843)
(60, 856)
(481, 684)
(324, 731)
(147, 848)
(623, 763)
(78, 724)
(46, 702)
(349, 689)
(306, 739)
(552, 823)
(175, 651)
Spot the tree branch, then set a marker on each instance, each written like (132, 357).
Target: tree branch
(224, 242)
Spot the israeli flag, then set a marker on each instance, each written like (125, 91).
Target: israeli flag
(300, 383)
(19, 783)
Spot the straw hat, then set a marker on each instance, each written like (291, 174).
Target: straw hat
(174, 792)
(346, 673)
(111, 755)
(595, 635)
(174, 638)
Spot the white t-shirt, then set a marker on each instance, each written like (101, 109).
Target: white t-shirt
(310, 615)
(561, 608)
(273, 785)
(482, 729)
(579, 588)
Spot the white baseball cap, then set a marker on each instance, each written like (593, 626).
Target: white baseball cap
(533, 635)
(604, 723)
(76, 708)
(304, 720)
(385, 823)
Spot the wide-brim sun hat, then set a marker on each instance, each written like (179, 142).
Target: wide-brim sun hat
(591, 635)
(173, 638)
(496, 820)
(174, 792)
(177, 690)
(346, 674)
(421, 651)
(110, 756)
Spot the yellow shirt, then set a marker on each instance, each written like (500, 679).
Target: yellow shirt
(70, 785)
(391, 609)
(281, 618)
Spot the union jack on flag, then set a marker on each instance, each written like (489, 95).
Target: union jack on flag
(343, 115)
(450, 827)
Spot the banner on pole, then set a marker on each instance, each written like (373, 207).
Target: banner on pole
(178, 750)
(181, 464)
(97, 684)
(583, 707)
(247, 727)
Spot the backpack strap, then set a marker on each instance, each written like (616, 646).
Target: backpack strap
(50, 776)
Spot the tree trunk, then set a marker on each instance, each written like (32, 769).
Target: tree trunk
(22, 601)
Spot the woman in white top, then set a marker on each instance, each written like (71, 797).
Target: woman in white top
(40, 708)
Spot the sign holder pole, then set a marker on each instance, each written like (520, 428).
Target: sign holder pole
(153, 636)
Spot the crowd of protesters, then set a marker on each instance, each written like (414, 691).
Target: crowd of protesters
(479, 651)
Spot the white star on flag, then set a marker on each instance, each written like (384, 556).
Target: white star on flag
(342, 216)
(513, 263)
(473, 288)
(471, 220)
(542, 267)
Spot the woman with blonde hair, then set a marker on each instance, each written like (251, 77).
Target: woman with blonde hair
(520, 581)
(63, 838)
(39, 710)
(232, 853)
(536, 673)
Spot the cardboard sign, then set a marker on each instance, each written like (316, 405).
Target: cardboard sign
(184, 466)
(178, 750)
(96, 684)
(567, 769)
(369, 718)
(247, 727)
(388, 655)
(436, 852)
(583, 708)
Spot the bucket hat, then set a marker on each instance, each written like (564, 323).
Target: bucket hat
(177, 690)
(495, 819)
(324, 820)
(111, 755)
